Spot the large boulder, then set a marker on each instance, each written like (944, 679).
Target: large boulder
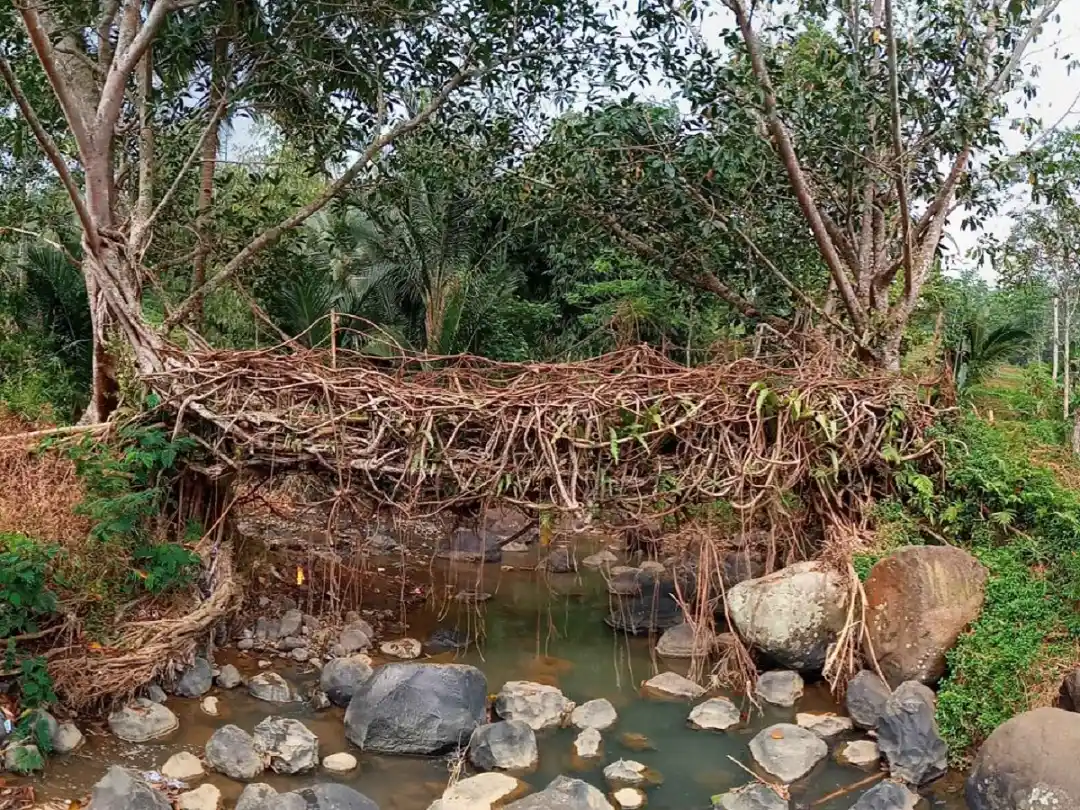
(417, 708)
(506, 746)
(466, 545)
(340, 677)
(1028, 762)
(142, 720)
(325, 796)
(919, 599)
(908, 735)
(287, 745)
(793, 614)
(231, 751)
(196, 680)
(866, 698)
(787, 751)
(564, 793)
(121, 789)
(539, 705)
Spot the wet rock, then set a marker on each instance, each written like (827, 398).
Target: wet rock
(319, 700)
(673, 685)
(355, 637)
(290, 643)
(196, 680)
(919, 599)
(560, 560)
(636, 741)
(787, 751)
(209, 705)
(908, 735)
(204, 797)
(601, 559)
(245, 644)
(472, 597)
(142, 720)
(860, 753)
(325, 796)
(258, 796)
(445, 639)
(271, 687)
(793, 614)
(340, 677)
(1029, 761)
(287, 745)
(267, 629)
(780, 687)
(466, 545)
(678, 642)
(627, 772)
(156, 694)
(229, 677)
(654, 609)
(564, 793)
(588, 744)
(598, 714)
(22, 758)
(122, 789)
(739, 566)
(509, 745)
(231, 751)
(629, 798)
(182, 766)
(67, 738)
(824, 725)
(300, 654)
(887, 795)
(754, 796)
(342, 762)
(417, 708)
(406, 648)
(481, 792)
(866, 697)
(291, 623)
(716, 714)
(625, 581)
(536, 704)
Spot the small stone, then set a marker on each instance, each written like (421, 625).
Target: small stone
(824, 725)
(716, 714)
(245, 644)
(196, 680)
(601, 559)
(264, 664)
(291, 623)
(340, 763)
(866, 697)
(256, 797)
(671, 684)
(271, 687)
(406, 648)
(142, 720)
(627, 772)
(481, 792)
(860, 753)
(209, 705)
(679, 642)
(539, 705)
(300, 654)
(754, 796)
(287, 745)
(231, 751)
(67, 738)
(788, 751)
(598, 714)
(156, 694)
(229, 677)
(588, 744)
(781, 687)
(509, 745)
(889, 795)
(183, 766)
(204, 797)
(629, 798)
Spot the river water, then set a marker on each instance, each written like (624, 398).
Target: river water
(549, 630)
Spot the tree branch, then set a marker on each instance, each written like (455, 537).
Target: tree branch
(899, 175)
(126, 59)
(52, 151)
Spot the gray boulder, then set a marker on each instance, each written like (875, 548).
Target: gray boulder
(229, 677)
(564, 793)
(539, 705)
(465, 545)
(291, 623)
(509, 745)
(716, 714)
(1028, 762)
(142, 720)
(780, 687)
(256, 796)
(887, 795)
(287, 745)
(754, 796)
(122, 789)
(231, 751)
(788, 751)
(908, 735)
(793, 614)
(866, 697)
(325, 796)
(598, 714)
(340, 677)
(271, 687)
(355, 636)
(417, 708)
(196, 680)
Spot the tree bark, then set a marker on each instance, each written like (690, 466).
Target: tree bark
(1057, 337)
(1065, 359)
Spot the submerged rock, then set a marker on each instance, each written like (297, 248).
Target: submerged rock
(588, 744)
(271, 687)
(324, 796)
(466, 545)
(417, 708)
(919, 599)
(231, 751)
(678, 642)
(183, 766)
(673, 685)
(564, 793)
(887, 795)
(780, 687)
(787, 751)
(258, 796)
(287, 745)
(538, 705)
(624, 580)
(1029, 761)
(654, 609)
(142, 720)
(601, 559)
(341, 676)
(445, 639)
(560, 560)
(121, 789)
(598, 714)
(196, 680)
(509, 745)
(754, 796)
(908, 735)
(866, 698)
(481, 792)
(716, 714)
(793, 614)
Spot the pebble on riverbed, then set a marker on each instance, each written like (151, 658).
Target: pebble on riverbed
(229, 677)
(588, 744)
(342, 762)
(271, 687)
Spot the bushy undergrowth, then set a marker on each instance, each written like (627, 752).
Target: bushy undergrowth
(1017, 518)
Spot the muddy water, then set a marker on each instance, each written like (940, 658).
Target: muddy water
(549, 630)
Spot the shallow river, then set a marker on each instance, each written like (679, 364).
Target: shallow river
(547, 631)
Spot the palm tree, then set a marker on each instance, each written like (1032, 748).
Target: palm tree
(982, 349)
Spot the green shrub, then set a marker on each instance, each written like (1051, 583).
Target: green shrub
(25, 597)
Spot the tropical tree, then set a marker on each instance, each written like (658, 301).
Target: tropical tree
(981, 348)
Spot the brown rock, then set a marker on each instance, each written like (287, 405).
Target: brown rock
(919, 600)
(1069, 695)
